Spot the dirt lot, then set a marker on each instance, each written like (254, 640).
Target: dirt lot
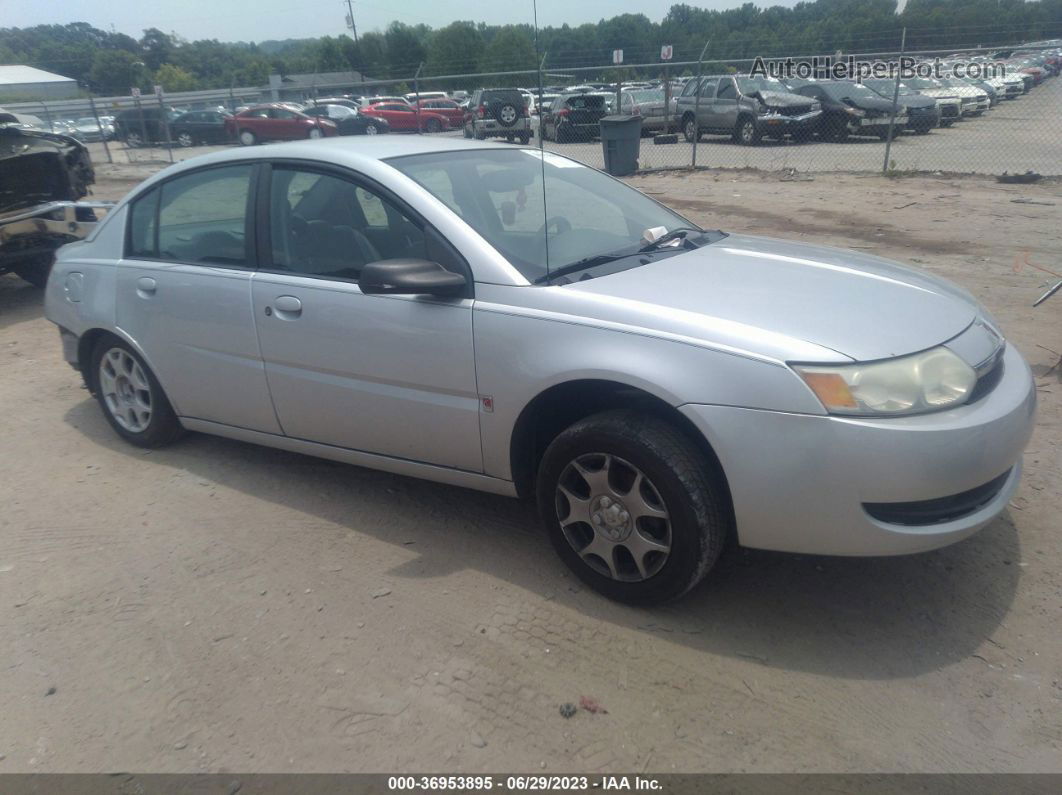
(218, 606)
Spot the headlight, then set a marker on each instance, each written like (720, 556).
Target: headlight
(928, 381)
(856, 112)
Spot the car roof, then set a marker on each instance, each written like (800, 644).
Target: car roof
(361, 153)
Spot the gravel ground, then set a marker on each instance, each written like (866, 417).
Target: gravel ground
(217, 606)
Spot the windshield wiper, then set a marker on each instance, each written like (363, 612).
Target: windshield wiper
(584, 264)
(680, 232)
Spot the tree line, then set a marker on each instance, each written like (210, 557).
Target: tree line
(110, 63)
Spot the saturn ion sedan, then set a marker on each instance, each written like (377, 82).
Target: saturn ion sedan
(509, 320)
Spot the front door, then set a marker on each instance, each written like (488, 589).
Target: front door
(184, 296)
(393, 375)
(724, 106)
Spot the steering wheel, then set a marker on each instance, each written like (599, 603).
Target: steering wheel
(559, 221)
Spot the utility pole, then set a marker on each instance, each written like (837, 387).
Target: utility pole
(353, 27)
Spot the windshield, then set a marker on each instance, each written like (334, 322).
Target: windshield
(849, 91)
(581, 213)
(922, 82)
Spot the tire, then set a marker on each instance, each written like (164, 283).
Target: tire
(247, 138)
(36, 272)
(746, 132)
(185, 140)
(315, 133)
(372, 129)
(467, 131)
(562, 134)
(506, 113)
(133, 140)
(432, 126)
(131, 398)
(689, 129)
(677, 481)
(480, 135)
(524, 138)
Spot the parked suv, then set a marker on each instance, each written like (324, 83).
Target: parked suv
(746, 108)
(498, 113)
(574, 116)
(144, 125)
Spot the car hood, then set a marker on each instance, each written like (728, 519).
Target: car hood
(784, 300)
(916, 101)
(783, 99)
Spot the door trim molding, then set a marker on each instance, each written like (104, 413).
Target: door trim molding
(398, 466)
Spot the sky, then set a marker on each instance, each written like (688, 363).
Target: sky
(259, 20)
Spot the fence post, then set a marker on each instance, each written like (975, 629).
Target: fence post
(895, 97)
(541, 124)
(667, 99)
(696, 102)
(164, 120)
(416, 92)
(99, 126)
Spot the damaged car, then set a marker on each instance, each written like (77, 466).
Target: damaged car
(42, 177)
(745, 108)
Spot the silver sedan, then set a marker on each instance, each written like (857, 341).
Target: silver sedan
(509, 320)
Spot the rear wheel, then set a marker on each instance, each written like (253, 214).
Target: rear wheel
(632, 506)
(133, 140)
(315, 132)
(432, 126)
(247, 138)
(467, 131)
(371, 129)
(185, 139)
(524, 138)
(130, 395)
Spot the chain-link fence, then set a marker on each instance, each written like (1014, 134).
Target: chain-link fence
(973, 112)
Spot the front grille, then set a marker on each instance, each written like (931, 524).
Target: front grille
(939, 510)
(949, 111)
(796, 110)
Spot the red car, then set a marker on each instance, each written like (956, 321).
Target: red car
(403, 117)
(276, 122)
(453, 112)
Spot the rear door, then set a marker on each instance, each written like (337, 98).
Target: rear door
(183, 294)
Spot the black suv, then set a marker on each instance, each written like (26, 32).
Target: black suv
(574, 116)
(139, 126)
(499, 113)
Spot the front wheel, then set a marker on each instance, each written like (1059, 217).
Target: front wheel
(633, 507)
(689, 130)
(315, 132)
(372, 129)
(133, 140)
(130, 395)
(747, 133)
(247, 138)
(185, 139)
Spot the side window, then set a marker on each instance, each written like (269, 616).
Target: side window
(689, 88)
(143, 214)
(708, 88)
(322, 225)
(726, 89)
(202, 216)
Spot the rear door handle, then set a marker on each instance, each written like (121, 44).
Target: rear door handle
(146, 286)
(287, 307)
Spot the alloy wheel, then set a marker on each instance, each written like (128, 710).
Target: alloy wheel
(613, 517)
(125, 390)
(185, 139)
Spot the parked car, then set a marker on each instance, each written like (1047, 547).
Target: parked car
(949, 102)
(143, 125)
(745, 108)
(89, 130)
(923, 113)
(497, 112)
(454, 113)
(276, 122)
(201, 127)
(413, 97)
(649, 104)
(350, 121)
(348, 102)
(975, 101)
(574, 116)
(403, 117)
(378, 99)
(657, 387)
(852, 109)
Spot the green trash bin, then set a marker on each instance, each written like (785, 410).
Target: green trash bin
(621, 138)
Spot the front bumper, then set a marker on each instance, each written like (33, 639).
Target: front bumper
(801, 483)
(780, 124)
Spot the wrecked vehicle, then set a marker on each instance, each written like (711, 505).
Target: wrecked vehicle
(43, 176)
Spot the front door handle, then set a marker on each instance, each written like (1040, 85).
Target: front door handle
(146, 286)
(287, 307)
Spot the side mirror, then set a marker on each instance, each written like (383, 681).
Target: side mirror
(410, 277)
